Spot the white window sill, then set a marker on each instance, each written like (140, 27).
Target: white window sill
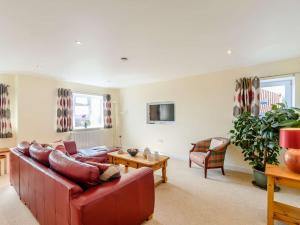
(87, 129)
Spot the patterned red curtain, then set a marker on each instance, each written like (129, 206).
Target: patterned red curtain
(64, 110)
(5, 123)
(107, 111)
(246, 98)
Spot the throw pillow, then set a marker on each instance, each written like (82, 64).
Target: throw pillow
(215, 143)
(107, 171)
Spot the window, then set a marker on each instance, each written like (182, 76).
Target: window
(279, 90)
(88, 111)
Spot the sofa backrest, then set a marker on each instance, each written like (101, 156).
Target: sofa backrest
(14, 169)
(46, 193)
(71, 147)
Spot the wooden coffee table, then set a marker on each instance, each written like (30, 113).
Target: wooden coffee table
(139, 161)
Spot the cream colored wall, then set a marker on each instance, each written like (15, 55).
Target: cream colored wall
(36, 108)
(203, 109)
(203, 106)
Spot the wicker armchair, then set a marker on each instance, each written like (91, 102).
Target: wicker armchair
(207, 158)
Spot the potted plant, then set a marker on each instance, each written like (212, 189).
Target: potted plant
(258, 137)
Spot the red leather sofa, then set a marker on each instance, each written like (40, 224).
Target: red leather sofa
(55, 200)
(96, 154)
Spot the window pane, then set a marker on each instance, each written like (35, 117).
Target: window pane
(275, 91)
(81, 110)
(88, 111)
(80, 100)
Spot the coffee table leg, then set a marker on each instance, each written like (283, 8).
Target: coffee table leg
(164, 173)
(5, 165)
(126, 169)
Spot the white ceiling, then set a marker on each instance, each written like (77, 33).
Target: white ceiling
(163, 39)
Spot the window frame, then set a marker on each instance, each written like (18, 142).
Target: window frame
(89, 105)
(288, 80)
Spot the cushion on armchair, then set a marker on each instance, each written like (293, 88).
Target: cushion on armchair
(198, 157)
(215, 143)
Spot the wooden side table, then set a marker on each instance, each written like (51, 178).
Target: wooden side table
(4, 156)
(277, 210)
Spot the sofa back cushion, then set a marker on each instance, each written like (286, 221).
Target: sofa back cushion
(71, 147)
(81, 173)
(58, 145)
(23, 147)
(40, 154)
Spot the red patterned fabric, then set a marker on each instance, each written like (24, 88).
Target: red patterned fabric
(5, 123)
(64, 110)
(107, 111)
(247, 96)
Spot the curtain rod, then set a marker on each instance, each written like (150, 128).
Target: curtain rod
(279, 75)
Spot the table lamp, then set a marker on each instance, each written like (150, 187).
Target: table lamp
(290, 139)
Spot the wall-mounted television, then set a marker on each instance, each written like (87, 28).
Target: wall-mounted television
(161, 112)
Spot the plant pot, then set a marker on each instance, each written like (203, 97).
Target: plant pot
(261, 180)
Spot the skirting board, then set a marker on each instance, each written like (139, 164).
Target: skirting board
(227, 166)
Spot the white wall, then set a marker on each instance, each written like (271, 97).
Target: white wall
(203, 109)
(35, 99)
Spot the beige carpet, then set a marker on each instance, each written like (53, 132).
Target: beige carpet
(188, 199)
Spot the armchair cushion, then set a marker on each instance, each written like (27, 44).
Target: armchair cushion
(198, 157)
(215, 143)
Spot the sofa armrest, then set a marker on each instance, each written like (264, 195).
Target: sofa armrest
(128, 200)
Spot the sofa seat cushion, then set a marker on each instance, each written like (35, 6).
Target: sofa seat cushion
(23, 147)
(96, 151)
(82, 158)
(40, 153)
(198, 157)
(81, 173)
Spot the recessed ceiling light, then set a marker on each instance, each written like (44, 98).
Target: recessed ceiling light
(78, 42)
(124, 59)
(229, 52)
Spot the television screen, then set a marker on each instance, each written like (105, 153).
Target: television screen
(163, 112)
